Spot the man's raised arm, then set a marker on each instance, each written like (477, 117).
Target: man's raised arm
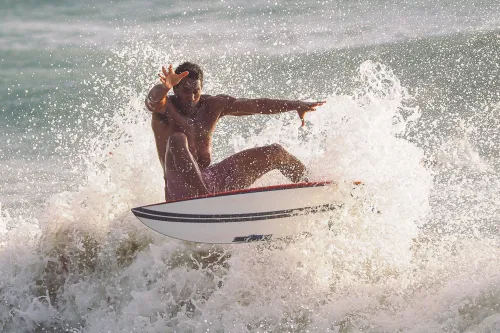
(242, 106)
(157, 97)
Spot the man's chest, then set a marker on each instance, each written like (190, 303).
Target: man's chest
(203, 123)
(198, 127)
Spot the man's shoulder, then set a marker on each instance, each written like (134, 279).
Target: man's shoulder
(217, 101)
(215, 98)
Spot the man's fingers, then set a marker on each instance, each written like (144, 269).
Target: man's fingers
(164, 70)
(308, 107)
(314, 105)
(170, 71)
(162, 79)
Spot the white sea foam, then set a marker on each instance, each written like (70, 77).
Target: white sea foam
(383, 263)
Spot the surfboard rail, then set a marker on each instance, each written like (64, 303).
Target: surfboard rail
(250, 190)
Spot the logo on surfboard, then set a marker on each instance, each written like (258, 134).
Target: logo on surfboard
(252, 238)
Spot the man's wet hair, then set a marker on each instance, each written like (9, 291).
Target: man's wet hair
(195, 71)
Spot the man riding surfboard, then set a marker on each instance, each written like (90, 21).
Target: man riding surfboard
(183, 125)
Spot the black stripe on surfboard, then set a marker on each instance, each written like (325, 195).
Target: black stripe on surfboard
(225, 216)
(237, 217)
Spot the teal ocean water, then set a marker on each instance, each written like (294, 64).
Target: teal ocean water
(413, 110)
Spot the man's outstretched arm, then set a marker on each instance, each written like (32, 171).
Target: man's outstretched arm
(242, 106)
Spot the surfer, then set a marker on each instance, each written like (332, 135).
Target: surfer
(183, 124)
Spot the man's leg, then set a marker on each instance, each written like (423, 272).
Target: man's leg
(242, 169)
(182, 174)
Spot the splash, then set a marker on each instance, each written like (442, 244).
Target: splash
(87, 265)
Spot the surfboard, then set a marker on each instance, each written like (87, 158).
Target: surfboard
(250, 215)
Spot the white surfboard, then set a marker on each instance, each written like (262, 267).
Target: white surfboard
(255, 214)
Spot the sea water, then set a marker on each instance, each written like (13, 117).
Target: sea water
(413, 111)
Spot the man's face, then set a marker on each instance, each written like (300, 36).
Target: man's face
(188, 93)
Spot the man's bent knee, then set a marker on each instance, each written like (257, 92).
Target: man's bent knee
(177, 139)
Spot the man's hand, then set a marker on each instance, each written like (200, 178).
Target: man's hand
(306, 107)
(169, 78)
